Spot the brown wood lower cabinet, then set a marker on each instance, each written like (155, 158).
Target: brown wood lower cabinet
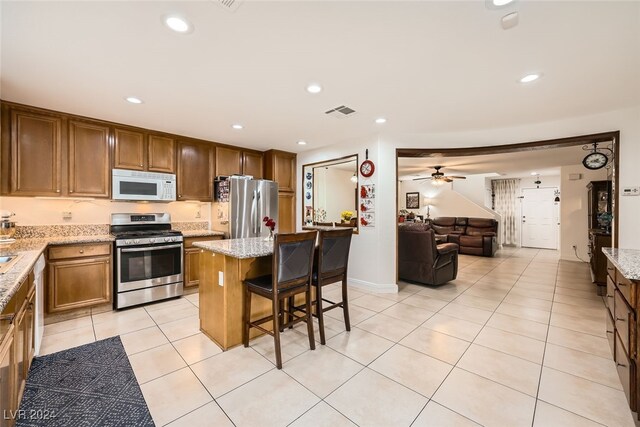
(622, 330)
(81, 279)
(16, 349)
(192, 259)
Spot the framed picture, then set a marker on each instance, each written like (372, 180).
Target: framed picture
(413, 200)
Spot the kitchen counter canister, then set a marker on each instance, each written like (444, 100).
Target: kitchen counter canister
(239, 248)
(28, 251)
(627, 261)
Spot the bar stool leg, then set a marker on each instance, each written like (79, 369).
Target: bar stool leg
(345, 304)
(246, 315)
(309, 316)
(319, 312)
(276, 331)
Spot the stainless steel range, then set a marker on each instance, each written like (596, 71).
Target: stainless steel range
(148, 259)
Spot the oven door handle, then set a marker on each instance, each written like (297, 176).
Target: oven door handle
(150, 248)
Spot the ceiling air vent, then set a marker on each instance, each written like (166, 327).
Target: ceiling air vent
(340, 112)
(230, 5)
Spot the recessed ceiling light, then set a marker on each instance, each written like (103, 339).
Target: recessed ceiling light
(500, 3)
(237, 126)
(534, 173)
(314, 88)
(381, 120)
(302, 142)
(133, 100)
(178, 24)
(530, 78)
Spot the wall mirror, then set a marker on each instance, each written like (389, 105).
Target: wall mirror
(330, 193)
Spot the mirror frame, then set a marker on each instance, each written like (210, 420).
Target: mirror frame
(356, 229)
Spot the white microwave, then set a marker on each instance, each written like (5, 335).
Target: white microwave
(143, 186)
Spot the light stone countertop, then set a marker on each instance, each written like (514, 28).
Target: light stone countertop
(29, 251)
(201, 233)
(627, 261)
(239, 248)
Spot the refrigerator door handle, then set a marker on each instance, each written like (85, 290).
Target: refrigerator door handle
(259, 219)
(254, 213)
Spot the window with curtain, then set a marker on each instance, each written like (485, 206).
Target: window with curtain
(505, 193)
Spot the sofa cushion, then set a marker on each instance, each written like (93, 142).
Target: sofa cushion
(474, 231)
(442, 230)
(413, 226)
(482, 222)
(471, 241)
(444, 221)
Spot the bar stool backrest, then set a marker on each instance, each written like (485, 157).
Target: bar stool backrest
(334, 252)
(293, 259)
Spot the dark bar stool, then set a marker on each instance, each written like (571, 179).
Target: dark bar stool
(332, 259)
(292, 270)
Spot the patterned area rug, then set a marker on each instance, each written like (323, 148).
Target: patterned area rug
(90, 385)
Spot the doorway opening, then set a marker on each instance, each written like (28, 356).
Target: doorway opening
(540, 200)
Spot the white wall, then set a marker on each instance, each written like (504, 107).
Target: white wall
(573, 210)
(445, 201)
(373, 256)
(34, 211)
(334, 192)
(475, 189)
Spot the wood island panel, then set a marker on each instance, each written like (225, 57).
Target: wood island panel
(221, 306)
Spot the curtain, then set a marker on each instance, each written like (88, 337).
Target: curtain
(506, 193)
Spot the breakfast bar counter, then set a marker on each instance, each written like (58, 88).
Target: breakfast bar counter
(224, 264)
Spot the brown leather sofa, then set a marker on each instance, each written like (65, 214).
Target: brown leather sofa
(475, 236)
(421, 260)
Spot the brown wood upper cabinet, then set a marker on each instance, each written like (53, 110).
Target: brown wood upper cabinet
(89, 166)
(35, 150)
(280, 166)
(252, 164)
(129, 149)
(137, 150)
(195, 171)
(228, 161)
(161, 154)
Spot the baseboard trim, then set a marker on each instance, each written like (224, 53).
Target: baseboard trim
(381, 288)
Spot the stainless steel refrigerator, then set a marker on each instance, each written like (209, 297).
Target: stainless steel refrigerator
(241, 203)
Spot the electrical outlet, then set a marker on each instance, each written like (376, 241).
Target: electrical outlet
(66, 215)
(198, 214)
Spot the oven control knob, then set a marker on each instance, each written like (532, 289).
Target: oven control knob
(167, 239)
(127, 242)
(136, 241)
(152, 240)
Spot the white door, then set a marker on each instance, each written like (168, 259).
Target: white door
(539, 218)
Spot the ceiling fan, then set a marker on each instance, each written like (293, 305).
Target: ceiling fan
(439, 178)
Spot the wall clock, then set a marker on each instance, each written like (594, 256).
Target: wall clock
(595, 160)
(367, 168)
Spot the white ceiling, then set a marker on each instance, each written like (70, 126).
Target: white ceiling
(508, 165)
(426, 66)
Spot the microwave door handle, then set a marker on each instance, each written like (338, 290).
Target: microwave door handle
(152, 248)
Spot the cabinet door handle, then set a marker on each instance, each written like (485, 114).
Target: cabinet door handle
(610, 268)
(622, 365)
(140, 164)
(609, 332)
(57, 191)
(81, 251)
(620, 319)
(609, 296)
(622, 284)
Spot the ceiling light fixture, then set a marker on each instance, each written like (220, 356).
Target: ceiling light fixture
(500, 3)
(133, 100)
(381, 120)
(530, 78)
(237, 126)
(534, 173)
(314, 88)
(178, 24)
(302, 142)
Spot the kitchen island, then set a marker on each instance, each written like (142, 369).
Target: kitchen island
(224, 264)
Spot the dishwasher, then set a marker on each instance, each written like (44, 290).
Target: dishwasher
(38, 272)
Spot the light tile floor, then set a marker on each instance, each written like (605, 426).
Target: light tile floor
(516, 340)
